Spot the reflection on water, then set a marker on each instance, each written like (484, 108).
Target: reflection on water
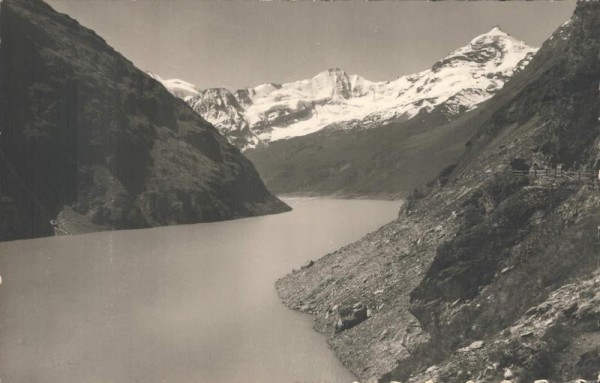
(179, 304)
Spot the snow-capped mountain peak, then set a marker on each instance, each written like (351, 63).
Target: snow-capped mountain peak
(496, 31)
(333, 98)
(179, 88)
(496, 48)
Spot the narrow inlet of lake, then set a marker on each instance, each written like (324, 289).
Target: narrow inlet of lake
(178, 304)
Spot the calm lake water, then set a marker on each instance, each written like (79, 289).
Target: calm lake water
(179, 304)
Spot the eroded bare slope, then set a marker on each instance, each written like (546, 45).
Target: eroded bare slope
(485, 274)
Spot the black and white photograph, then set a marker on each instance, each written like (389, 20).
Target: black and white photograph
(350, 191)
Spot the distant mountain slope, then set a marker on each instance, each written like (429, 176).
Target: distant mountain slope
(338, 100)
(487, 275)
(83, 130)
(386, 162)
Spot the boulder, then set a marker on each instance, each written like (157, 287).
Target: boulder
(350, 316)
(308, 264)
(473, 346)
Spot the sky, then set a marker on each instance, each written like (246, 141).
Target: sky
(238, 44)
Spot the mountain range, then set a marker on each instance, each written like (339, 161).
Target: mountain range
(89, 142)
(334, 99)
(341, 135)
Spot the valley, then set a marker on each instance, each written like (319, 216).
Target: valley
(433, 228)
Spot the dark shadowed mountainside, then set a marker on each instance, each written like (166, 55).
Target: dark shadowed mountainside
(94, 143)
(386, 162)
(490, 273)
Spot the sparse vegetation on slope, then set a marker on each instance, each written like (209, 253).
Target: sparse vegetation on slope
(82, 127)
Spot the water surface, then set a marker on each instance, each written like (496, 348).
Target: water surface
(179, 304)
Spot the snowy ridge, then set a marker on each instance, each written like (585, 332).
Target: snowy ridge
(270, 112)
(178, 88)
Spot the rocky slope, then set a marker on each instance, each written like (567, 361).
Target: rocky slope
(335, 99)
(82, 129)
(486, 275)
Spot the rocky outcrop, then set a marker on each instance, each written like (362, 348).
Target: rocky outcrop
(556, 339)
(221, 108)
(349, 317)
(81, 127)
(487, 275)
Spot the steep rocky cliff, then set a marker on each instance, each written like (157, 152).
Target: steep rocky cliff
(488, 273)
(84, 131)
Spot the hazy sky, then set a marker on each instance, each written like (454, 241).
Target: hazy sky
(240, 44)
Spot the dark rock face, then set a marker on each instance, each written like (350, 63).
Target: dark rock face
(82, 127)
(487, 275)
(221, 105)
(350, 316)
(567, 119)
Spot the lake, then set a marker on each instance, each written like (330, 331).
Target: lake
(177, 304)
